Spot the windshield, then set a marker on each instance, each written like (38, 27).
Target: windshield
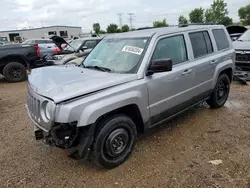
(74, 45)
(245, 36)
(118, 55)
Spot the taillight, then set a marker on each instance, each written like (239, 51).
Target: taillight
(55, 50)
(37, 50)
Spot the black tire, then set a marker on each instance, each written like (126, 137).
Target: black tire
(220, 93)
(14, 72)
(114, 141)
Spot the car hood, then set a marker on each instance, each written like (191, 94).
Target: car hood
(59, 41)
(61, 83)
(241, 45)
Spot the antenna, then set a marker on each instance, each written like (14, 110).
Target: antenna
(120, 19)
(131, 19)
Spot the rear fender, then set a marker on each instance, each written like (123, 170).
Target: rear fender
(221, 67)
(14, 57)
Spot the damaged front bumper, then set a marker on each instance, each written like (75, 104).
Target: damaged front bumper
(79, 140)
(67, 136)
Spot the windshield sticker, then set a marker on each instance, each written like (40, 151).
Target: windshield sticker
(133, 50)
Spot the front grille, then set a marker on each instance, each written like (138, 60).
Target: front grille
(242, 57)
(34, 107)
(34, 104)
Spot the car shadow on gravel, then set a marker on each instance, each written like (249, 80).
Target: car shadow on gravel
(173, 123)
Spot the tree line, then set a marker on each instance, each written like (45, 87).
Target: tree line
(112, 28)
(217, 13)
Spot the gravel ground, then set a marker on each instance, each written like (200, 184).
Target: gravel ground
(174, 155)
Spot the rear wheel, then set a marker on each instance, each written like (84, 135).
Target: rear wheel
(14, 72)
(220, 93)
(114, 141)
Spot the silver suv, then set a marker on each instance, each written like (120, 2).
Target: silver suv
(128, 84)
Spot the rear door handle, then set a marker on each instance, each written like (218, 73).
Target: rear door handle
(214, 62)
(187, 71)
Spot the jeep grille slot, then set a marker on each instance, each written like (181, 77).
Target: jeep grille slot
(34, 106)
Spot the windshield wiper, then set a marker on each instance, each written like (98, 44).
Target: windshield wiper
(104, 69)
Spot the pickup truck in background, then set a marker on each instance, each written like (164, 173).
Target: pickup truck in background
(15, 59)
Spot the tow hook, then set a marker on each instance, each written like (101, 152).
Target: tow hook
(39, 134)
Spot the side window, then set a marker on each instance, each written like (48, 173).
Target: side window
(221, 39)
(90, 44)
(171, 47)
(201, 43)
(32, 42)
(208, 42)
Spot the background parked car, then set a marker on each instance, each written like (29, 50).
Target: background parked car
(242, 48)
(75, 49)
(235, 31)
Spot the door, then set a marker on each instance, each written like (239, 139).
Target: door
(171, 92)
(205, 62)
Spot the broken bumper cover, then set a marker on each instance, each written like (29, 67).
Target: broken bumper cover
(243, 65)
(67, 136)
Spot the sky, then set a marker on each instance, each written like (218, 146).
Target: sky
(19, 14)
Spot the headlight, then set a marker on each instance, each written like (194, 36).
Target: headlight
(47, 109)
(58, 57)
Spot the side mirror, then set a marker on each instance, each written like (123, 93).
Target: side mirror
(160, 65)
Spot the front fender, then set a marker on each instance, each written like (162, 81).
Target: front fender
(95, 110)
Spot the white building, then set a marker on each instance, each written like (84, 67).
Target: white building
(43, 32)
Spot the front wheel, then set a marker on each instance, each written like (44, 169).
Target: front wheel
(220, 93)
(114, 141)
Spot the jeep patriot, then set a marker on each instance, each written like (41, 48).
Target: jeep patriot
(130, 83)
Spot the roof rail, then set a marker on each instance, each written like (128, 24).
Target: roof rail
(143, 28)
(186, 25)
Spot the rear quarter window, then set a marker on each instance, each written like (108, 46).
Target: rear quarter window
(221, 39)
(201, 43)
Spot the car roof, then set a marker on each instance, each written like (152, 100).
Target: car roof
(163, 31)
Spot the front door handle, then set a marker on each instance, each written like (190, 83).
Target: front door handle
(214, 62)
(187, 71)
